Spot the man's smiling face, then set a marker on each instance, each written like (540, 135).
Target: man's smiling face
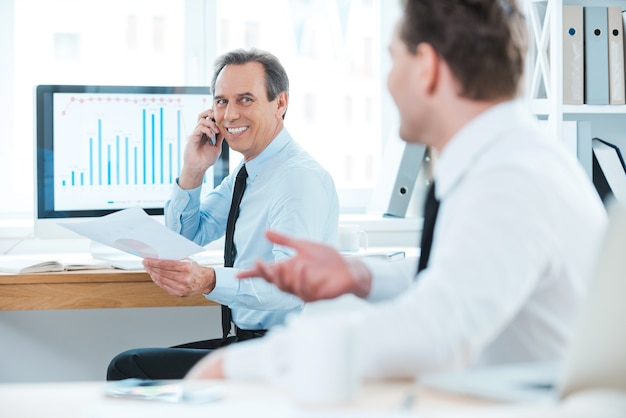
(244, 115)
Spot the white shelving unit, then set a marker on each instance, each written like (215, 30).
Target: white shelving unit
(544, 81)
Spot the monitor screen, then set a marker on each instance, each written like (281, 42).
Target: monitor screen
(100, 149)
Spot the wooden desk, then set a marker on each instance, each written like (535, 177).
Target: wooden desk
(87, 289)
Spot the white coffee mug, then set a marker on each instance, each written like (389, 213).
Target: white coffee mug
(351, 238)
(320, 365)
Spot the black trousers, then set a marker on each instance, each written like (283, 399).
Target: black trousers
(169, 363)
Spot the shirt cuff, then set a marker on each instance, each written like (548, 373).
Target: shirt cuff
(226, 285)
(389, 279)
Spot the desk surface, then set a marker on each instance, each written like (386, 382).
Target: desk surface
(380, 399)
(108, 288)
(238, 399)
(85, 289)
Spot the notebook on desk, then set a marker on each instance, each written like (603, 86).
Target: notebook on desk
(596, 358)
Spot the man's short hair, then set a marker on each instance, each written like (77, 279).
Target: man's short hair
(483, 42)
(276, 79)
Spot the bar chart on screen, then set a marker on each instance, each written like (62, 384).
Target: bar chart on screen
(132, 144)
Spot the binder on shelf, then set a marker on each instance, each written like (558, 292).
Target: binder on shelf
(573, 55)
(596, 55)
(609, 171)
(616, 56)
(624, 43)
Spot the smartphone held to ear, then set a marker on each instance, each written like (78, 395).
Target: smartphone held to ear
(206, 138)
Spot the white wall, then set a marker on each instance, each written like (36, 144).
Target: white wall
(6, 89)
(77, 345)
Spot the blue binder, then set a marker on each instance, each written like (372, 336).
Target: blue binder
(596, 56)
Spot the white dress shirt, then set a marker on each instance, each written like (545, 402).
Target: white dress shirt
(516, 235)
(287, 191)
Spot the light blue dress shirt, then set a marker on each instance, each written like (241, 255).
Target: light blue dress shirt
(286, 191)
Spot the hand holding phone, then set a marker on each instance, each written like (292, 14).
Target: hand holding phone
(205, 138)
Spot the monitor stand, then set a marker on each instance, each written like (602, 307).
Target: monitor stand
(116, 258)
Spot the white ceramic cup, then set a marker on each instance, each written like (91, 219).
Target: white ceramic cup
(321, 367)
(351, 238)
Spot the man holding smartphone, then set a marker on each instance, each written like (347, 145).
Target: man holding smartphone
(285, 189)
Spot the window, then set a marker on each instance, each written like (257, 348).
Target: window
(77, 42)
(332, 50)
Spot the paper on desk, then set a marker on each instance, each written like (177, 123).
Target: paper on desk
(133, 231)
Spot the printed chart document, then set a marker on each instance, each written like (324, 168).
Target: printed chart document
(133, 231)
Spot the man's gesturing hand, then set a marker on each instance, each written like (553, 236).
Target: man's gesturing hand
(316, 272)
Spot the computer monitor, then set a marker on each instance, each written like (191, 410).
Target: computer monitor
(100, 149)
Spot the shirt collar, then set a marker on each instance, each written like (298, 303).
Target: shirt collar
(471, 141)
(255, 165)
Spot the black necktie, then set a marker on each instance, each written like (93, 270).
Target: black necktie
(229, 248)
(240, 186)
(431, 207)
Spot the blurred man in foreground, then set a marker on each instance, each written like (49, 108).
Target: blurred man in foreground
(512, 218)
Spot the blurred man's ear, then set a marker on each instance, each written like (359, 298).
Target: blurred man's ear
(428, 66)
